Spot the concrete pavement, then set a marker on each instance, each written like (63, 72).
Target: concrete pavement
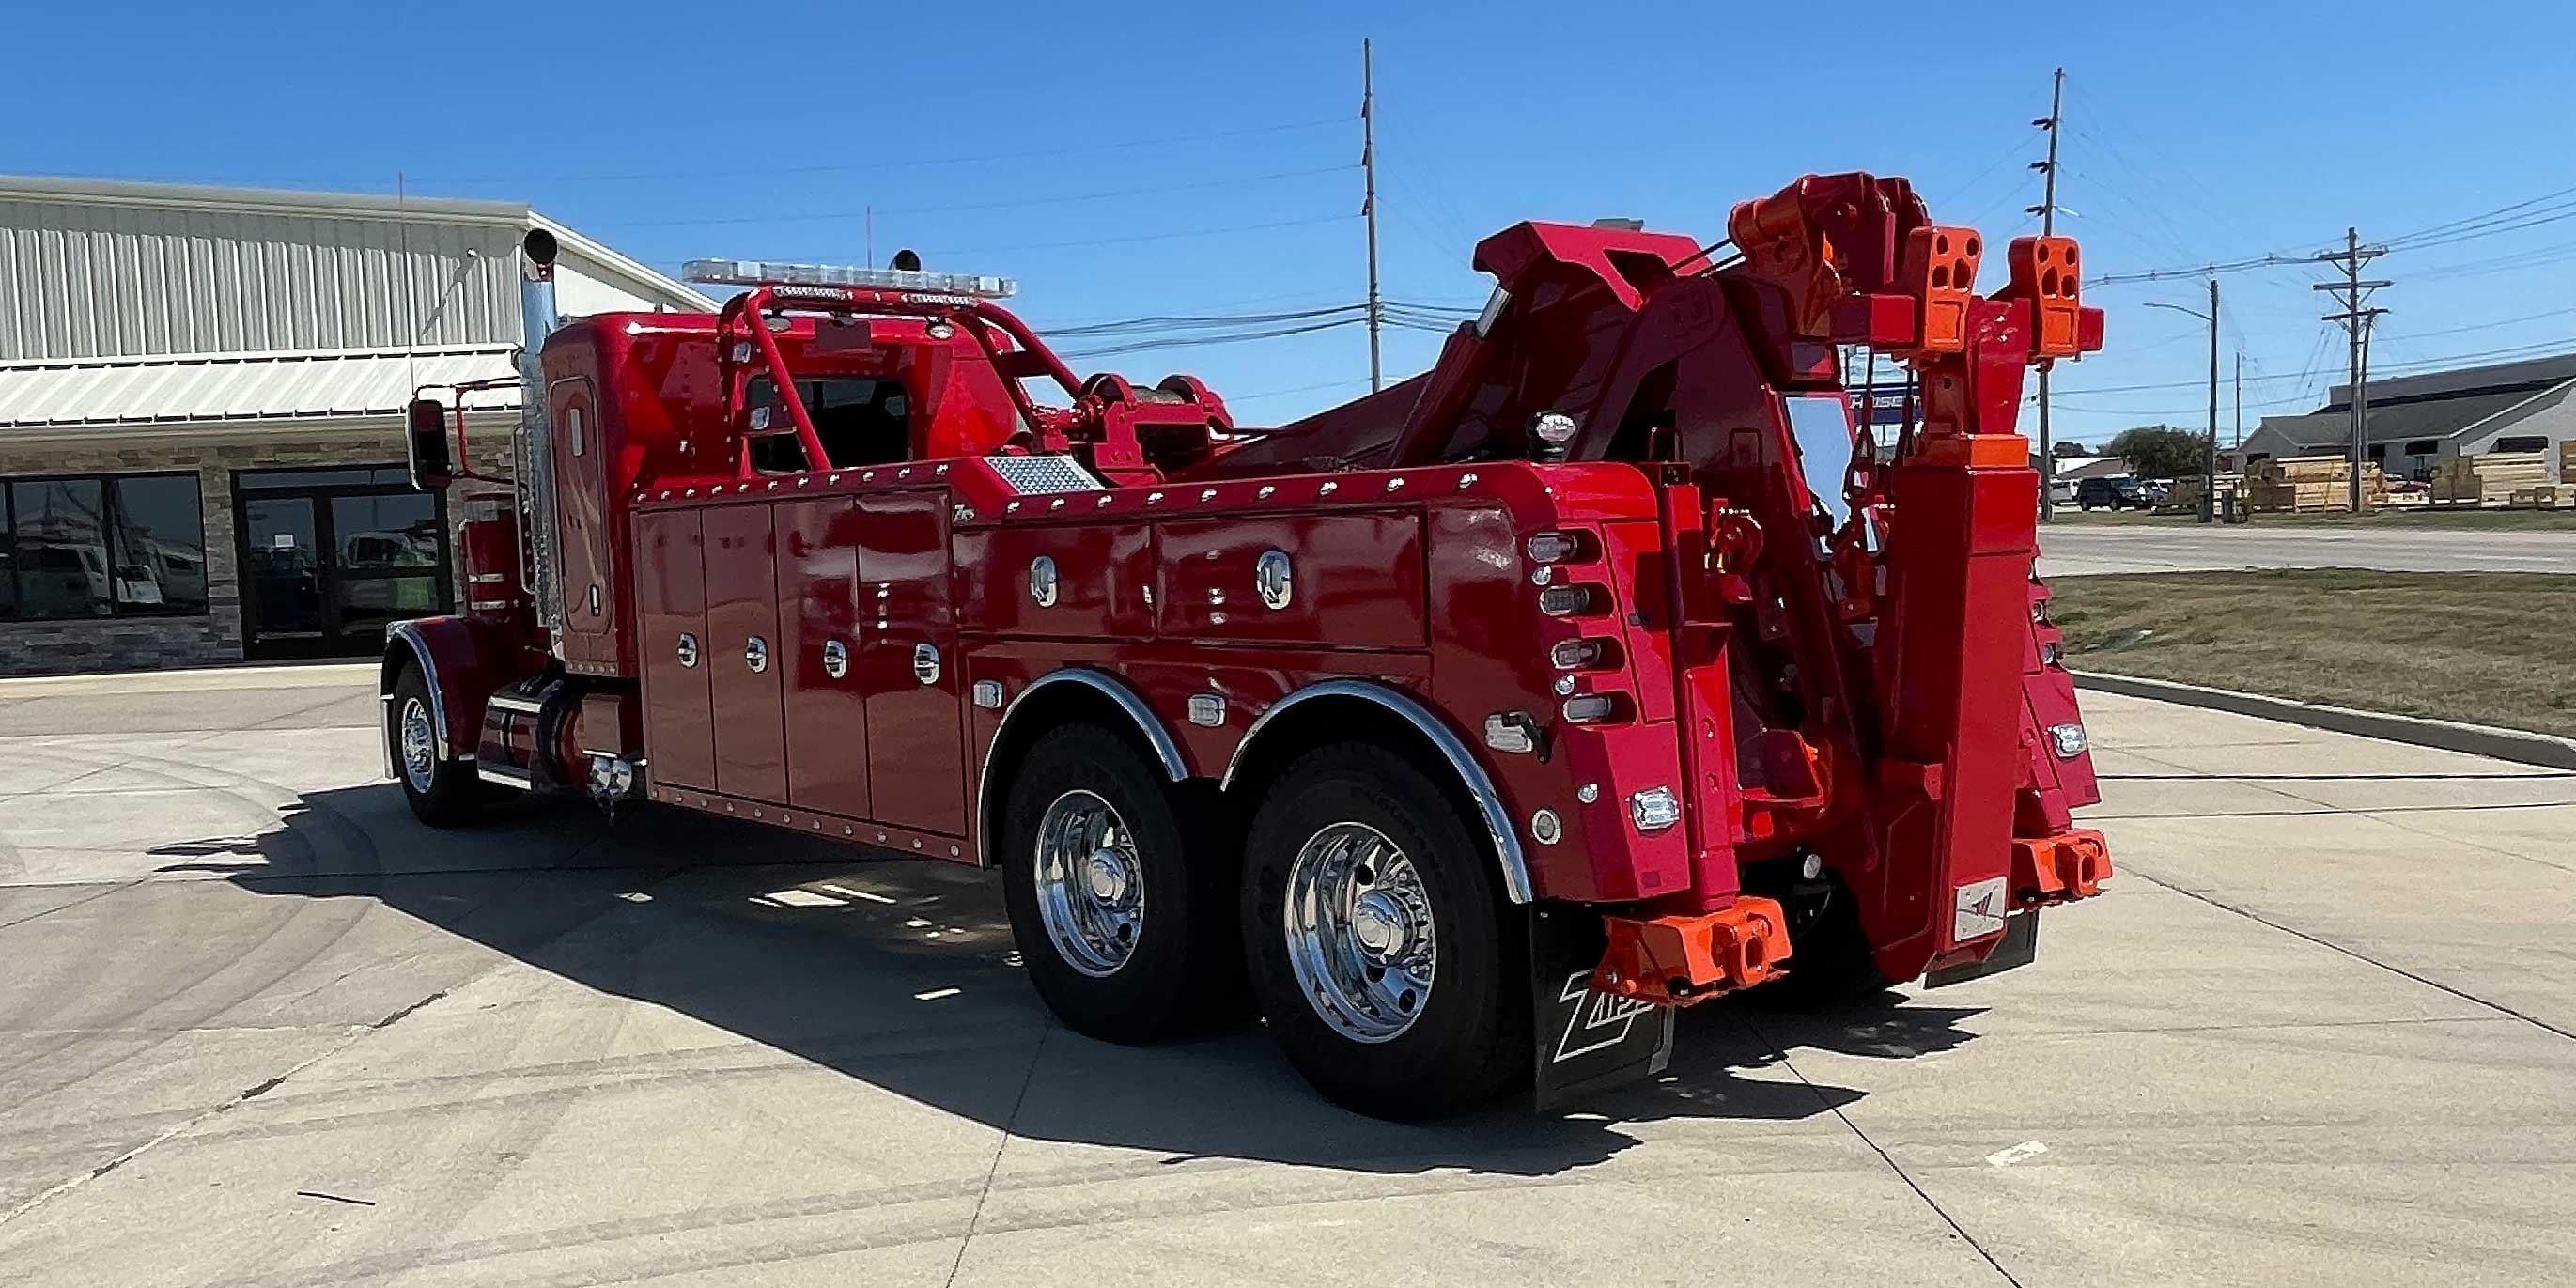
(258, 1028)
(2075, 548)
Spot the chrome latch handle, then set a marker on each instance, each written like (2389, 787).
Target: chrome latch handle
(687, 649)
(755, 654)
(925, 663)
(836, 659)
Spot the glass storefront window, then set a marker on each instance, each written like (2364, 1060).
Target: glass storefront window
(93, 547)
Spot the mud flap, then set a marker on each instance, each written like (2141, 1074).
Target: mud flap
(1585, 1041)
(2020, 947)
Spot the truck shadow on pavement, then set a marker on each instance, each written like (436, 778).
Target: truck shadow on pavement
(902, 974)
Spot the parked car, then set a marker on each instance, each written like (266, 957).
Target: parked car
(2156, 490)
(2112, 491)
(2061, 491)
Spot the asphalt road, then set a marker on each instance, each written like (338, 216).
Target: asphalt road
(258, 1029)
(2078, 549)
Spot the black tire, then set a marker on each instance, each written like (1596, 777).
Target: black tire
(1831, 963)
(452, 795)
(1181, 968)
(1471, 1036)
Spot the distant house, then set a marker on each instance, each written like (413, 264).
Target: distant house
(2414, 421)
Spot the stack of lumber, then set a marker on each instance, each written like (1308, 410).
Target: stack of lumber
(2490, 479)
(2302, 484)
(2185, 497)
(2567, 461)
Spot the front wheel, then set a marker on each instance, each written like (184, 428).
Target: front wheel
(441, 792)
(1379, 949)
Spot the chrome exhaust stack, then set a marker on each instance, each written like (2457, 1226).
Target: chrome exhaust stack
(533, 448)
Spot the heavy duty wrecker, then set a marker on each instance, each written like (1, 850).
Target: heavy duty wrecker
(1476, 725)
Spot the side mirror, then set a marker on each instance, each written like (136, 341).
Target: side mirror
(431, 468)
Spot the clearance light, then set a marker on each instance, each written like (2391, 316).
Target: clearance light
(767, 272)
(1574, 655)
(1589, 708)
(1655, 809)
(1566, 601)
(1555, 547)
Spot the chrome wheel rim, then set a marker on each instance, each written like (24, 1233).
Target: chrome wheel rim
(1090, 887)
(419, 747)
(1360, 932)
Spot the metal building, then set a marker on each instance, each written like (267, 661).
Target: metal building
(201, 394)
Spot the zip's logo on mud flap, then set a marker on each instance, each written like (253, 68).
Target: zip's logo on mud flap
(1596, 1019)
(1980, 910)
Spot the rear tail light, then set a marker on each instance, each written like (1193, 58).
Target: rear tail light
(1557, 547)
(1590, 708)
(1569, 601)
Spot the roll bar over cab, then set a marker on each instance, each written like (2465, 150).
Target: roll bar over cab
(1483, 723)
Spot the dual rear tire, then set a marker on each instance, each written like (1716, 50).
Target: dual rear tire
(1362, 910)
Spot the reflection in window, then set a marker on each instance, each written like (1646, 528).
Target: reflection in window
(160, 543)
(90, 547)
(61, 530)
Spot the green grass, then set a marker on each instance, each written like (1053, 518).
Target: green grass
(2487, 648)
(2392, 519)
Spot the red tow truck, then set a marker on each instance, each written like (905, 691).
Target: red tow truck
(1472, 727)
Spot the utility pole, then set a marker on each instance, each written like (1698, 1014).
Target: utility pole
(2209, 488)
(2047, 213)
(2356, 322)
(1368, 205)
(2240, 404)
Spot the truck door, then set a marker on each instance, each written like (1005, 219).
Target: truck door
(671, 626)
(908, 653)
(818, 610)
(742, 648)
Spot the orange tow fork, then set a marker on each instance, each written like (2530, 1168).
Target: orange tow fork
(1678, 960)
(2062, 868)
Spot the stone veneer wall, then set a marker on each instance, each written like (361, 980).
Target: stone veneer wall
(67, 645)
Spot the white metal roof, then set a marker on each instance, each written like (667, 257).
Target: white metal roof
(99, 269)
(240, 387)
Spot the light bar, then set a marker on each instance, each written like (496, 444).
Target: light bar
(763, 272)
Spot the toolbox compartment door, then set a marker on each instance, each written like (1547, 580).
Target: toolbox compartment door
(671, 621)
(908, 658)
(1353, 580)
(742, 652)
(827, 732)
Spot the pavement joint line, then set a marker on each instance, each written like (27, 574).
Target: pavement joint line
(1781, 1054)
(2354, 953)
(2369, 815)
(238, 1099)
(361, 1033)
(105, 889)
(1027, 1079)
(2493, 742)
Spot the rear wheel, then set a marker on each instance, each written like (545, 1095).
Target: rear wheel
(441, 792)
(1115, 887)
(1378, 946)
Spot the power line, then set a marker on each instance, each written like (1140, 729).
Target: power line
(1199, 185)
(768, 171)
(1147, 237)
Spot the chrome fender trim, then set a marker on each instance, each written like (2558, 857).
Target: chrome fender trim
(1471, 774)
(1156, 736)
(405, 632)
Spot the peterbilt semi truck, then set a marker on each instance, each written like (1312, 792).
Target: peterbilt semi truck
(1467, 730)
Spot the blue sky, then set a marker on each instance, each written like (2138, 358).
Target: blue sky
(1158, 159)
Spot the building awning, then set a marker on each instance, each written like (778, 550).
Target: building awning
(236, 387)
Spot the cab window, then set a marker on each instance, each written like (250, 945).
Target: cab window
(862, 420)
